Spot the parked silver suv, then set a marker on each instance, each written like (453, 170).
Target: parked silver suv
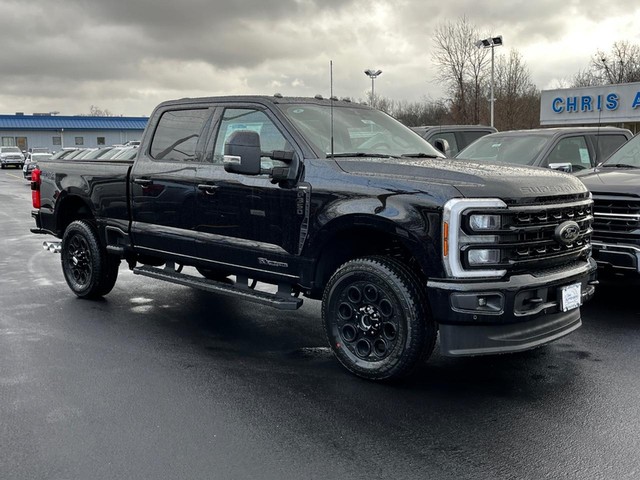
(11, 156)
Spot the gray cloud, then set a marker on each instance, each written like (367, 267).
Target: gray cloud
(127, 55)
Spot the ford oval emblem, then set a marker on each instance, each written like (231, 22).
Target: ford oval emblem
(567, 232)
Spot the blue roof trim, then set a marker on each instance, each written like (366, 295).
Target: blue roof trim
(28, 122)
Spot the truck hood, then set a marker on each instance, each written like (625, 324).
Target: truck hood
(613, 180)
(471, 179)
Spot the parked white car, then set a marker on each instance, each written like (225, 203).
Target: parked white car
(11, 156)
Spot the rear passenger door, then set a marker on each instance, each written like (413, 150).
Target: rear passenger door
(163, 182)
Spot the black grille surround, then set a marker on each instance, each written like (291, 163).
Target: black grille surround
(527, 238)
(616, 219)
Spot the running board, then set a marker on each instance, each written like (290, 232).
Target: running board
(281, 300)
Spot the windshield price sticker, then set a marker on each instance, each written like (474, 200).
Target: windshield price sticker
(571, 297)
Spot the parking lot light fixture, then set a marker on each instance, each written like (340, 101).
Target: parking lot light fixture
(491, 43)
(372, 74)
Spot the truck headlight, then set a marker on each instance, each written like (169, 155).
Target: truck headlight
(484, 222)
(470, 237)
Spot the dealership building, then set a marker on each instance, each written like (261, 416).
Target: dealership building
(616, 105)
(57, 132)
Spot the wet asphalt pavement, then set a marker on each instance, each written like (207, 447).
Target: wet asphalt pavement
(159, 381)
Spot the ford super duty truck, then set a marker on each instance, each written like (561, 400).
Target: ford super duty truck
(615, 186)
(334, 201)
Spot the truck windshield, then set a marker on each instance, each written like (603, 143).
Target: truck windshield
(357, 132)
(505, 148)
(628, 155)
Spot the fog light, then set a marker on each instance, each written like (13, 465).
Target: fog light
(483, 256)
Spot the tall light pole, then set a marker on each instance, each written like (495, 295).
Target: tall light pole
(373, 74)
(491, 43)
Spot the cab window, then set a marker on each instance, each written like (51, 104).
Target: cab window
(235, 119)
(573, 150)
(607, 144)
(178, 135)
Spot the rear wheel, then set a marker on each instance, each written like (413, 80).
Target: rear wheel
(89, 271)
(375, 318)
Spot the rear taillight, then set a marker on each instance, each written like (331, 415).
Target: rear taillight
(35, 187)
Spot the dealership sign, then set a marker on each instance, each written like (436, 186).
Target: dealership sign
(591, 105)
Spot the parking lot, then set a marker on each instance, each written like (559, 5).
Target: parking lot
(161, 381)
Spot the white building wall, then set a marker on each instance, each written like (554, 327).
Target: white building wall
(68, 137)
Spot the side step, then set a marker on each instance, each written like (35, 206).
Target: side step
(281, 300)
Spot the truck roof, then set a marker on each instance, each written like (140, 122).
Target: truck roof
(266, 100)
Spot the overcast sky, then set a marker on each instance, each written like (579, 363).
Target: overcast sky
(126, 56)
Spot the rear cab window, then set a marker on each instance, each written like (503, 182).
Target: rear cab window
(178, 136)
(605, 145)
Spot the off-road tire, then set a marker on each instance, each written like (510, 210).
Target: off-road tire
(376, 318)
(88, 269)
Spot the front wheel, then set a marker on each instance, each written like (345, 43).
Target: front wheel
(89, 271)
(375, 318)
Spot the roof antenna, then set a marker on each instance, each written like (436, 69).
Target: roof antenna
(331, 102)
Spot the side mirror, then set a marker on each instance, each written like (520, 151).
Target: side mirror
(562, 167)
(242, 153)
(442, 145)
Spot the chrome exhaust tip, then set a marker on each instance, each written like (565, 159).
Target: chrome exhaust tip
(53, 247)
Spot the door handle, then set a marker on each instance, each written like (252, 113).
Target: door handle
(144, 182)
(207, 188)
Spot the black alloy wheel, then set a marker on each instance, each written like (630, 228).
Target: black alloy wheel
(89, 271)
(375, 318)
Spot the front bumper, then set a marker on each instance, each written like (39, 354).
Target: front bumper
(12, 161)
(616, 257)
(523, 312)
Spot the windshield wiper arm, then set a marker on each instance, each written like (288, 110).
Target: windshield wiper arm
(420, 155)
(618, 165)
(359, 154)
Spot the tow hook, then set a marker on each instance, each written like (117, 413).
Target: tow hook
(53, 247)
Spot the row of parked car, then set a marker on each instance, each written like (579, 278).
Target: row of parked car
(114, 152)
(606, 159)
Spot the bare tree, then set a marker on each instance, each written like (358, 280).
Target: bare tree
(461, 66)
(95, 111)
(515, 94)
(586, 78)
(620, 65)
(414, 114)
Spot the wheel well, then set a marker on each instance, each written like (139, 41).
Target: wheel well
(357, 243)
(72, 208)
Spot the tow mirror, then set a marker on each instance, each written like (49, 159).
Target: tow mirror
(562, 167)
(442, 145)
(242, 153)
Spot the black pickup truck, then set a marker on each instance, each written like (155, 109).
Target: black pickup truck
(615, 185)
(335, 201)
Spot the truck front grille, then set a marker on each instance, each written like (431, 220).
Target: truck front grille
(529, 237)
(616, 219)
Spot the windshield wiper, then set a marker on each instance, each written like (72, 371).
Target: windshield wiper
(421, 155)
(360, 154)
(618, 165)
